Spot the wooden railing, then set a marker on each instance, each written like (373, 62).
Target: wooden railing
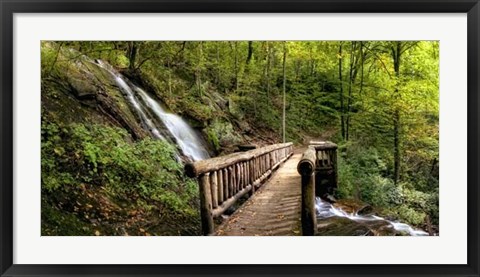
(319, 160)
(224, 180)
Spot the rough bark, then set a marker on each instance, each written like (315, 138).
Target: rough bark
(396, 54)
(197, 168)
(284, 89)
(340, 77)
(306, 168)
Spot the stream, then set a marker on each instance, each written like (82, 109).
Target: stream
(334, 220)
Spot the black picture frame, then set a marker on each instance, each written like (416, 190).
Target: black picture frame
(9, 8)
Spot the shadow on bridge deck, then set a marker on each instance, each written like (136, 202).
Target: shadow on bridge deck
(274, 210)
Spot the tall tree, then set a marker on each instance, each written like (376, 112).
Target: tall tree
(340, 77)
(132, 54)
(250, 52)
(284, 87)
(397, 48)
(235, 50)
(198, 71)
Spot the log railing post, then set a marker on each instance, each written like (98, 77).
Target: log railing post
(306, 168)
(225, 184)
(327, 156)
(230, 182)
(206, 204)
(251, 175)
(224, 180)
(214, 189)
(220, 185)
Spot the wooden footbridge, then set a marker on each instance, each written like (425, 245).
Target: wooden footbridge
(280, 183)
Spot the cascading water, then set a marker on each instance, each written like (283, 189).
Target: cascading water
(138, 108)
(326, 210)
(185, 137)
(132, 99)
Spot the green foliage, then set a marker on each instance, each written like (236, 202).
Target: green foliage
(213, 139)
(364, 175)
(407, 214)
(380, 107)
(102, 156)
(221, 133)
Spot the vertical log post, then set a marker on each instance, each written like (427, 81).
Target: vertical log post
(251, 175)
(214, 189)
(220, 186)
(225, 184)
(235, 177)
(224, 180)
(230, 182)
(306, 168)
(206, 204)
(335, 167)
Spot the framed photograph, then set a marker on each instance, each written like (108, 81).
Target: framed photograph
(252, 138)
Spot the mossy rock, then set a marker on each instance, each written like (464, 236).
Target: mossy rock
(340, 226)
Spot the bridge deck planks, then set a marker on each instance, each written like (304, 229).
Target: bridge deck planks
(274, 210)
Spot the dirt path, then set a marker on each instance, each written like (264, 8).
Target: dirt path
(274, 210)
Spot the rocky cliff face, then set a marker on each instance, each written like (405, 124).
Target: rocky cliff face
(76, 90)
(103, 170)
(103, 173)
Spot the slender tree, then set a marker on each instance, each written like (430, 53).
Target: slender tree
(284, 87)
(340, 77)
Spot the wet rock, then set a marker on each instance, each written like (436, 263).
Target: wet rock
(381, 228)
(350, 206)
(329, 198)
(365, 210)
(83, 89)
(339, 226)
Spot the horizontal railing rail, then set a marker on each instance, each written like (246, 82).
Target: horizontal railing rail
(224, 180)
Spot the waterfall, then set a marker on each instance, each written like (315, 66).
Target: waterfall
(184, 135)
(137, 107)
(326, 210)
(146, 107)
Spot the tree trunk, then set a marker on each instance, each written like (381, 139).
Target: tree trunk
(56, 57)
(132, 55)
(350, 83)
(284, 87)
(199, 68)
(268, 72)
(362, 68)
(250, 52)
(396, 53)
(169, 79)
(217, 75)
(354, 57)
(342, 108)
(235, 46)
(396, 141)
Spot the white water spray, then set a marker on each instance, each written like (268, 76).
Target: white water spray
(326, 210)
(185, 137)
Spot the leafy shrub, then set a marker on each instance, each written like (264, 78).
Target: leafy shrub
(364, 174)
(102, 156)
(410, 215)
(221, 133)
